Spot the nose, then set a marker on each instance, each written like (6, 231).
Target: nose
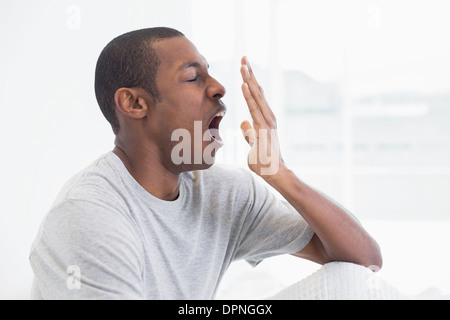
(215, 90)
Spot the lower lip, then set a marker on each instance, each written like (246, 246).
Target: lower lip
(216, 136)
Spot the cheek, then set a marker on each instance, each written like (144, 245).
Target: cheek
(181, 111)
(189, 103)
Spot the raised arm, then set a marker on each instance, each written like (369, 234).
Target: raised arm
(338, 235)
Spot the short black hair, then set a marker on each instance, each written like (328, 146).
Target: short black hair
(128, 61)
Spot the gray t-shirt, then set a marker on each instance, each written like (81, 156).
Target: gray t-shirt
(105, 237)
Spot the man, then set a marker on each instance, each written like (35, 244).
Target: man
(154, 219)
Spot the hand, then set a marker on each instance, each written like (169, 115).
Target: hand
(264, 157)
(339, 236)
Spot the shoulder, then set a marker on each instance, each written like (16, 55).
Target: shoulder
(98, 184)
(84, 232)
(82, 214)
(84, 222)
(91, 238)
(91, 204)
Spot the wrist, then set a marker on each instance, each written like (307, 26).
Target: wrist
(282, 176)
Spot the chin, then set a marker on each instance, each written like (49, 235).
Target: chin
(195, 158)
(203, 166)
(177, 169)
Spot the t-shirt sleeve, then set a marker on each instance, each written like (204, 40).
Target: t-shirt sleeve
(271, 227)
(86, 251)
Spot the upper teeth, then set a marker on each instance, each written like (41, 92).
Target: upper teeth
(220, 114)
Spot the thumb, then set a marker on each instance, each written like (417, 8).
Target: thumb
(248, 132)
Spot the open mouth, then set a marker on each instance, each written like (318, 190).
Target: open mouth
(213, 127)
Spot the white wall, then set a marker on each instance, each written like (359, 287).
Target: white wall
(51, 126)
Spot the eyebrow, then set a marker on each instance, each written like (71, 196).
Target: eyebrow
(194, 64)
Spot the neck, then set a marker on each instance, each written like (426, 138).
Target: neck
(147, 169)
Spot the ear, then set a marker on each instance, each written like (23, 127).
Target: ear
(129, 102)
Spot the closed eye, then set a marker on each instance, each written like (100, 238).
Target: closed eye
(193, 80)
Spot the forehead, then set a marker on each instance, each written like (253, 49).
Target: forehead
(175, 53)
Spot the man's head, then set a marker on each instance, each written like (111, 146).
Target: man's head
(153, 83)
(128, 61)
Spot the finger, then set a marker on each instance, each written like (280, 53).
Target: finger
(255, 88)
(253, 79)
(255, 111)
(248, 132)
(249, 77)
(258, 94)
(257, 85)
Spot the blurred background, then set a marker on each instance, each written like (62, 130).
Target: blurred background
(361, 90)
